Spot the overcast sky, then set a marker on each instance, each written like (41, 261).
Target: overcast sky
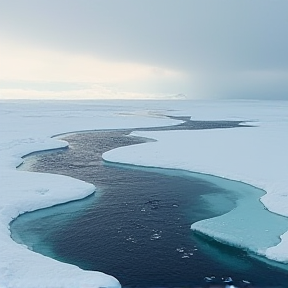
(204, 49)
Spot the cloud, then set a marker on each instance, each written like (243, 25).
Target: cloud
(188, 34)
(31, 67)
(205, 49)
(28, 63)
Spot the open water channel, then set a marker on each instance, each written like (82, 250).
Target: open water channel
(136, 226)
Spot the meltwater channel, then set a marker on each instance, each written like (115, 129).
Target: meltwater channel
(136, 226)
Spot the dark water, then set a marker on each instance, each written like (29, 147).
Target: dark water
(137, 225)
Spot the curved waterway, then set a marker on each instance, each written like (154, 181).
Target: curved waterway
(136, 226)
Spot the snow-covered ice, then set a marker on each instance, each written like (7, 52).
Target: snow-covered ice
(256, 155)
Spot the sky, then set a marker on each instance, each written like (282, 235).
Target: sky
(144, 49)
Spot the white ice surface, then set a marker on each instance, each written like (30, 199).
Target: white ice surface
(253, 155)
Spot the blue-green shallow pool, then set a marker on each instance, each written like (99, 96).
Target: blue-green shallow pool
(137, 225)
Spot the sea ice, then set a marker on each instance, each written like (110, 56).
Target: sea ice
(254, 155)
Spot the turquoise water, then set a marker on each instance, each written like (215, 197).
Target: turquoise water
(137, 225)
(249, 225)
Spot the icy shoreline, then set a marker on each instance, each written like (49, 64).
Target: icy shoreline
(254, 155)
(26, 130)
(236, 227)
(27, 126)
(158, 154)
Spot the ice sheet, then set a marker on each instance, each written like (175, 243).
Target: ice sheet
(257, 156)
